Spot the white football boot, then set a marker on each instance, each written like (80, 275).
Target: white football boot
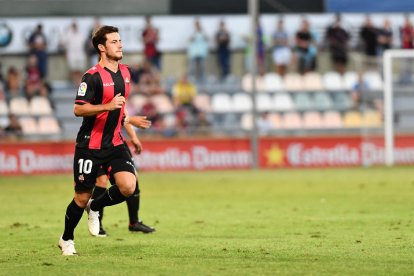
(67, 247)
(93, 220)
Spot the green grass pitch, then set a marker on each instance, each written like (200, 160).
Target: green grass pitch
(314, 222)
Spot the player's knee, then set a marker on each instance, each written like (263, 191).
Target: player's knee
(129, 190)
(82, 198)
(101, 181)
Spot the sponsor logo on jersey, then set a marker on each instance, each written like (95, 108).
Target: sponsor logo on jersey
(108, 84)
(81, 178)
(82, 89)
(126, 80)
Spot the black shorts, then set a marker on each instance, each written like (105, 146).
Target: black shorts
(87, 164)
(110, 176)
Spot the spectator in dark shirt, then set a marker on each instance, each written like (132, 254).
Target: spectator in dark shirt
(14, 129)
(369, 37)
(337, 39)
(223, 49)
(37, 43)
(305, 52)
(385, 36)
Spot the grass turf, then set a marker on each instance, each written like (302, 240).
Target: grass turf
(313, 222)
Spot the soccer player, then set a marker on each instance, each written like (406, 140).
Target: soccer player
(133, 202)
(100, 100)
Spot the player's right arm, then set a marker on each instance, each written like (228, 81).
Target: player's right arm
(87, 109)
(86, 95)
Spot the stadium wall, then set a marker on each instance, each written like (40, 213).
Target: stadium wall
(216, 154)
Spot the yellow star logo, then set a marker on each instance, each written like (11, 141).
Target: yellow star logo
(274, 156)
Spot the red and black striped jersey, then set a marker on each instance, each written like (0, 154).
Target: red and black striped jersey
(99, 86)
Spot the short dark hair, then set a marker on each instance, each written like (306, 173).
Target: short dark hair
(99, 36)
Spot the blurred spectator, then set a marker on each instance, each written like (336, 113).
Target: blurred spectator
(150, 37)
(337, 39)
(14, 129)
(34, 84)
(202, 124)
(407, 34)
(407, 42)
(361, 86)
(13, 82)
(305, 51)
(261, 50)
(369, 37)
(149, 110)
(89, 49)
(149, 82)
(264, 125)
(385, 37)
(281, 51)
(184, 92)
(198, 52)
(73, 42)
(37, 44)
(223, 49)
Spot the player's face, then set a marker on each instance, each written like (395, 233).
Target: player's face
(113, 46)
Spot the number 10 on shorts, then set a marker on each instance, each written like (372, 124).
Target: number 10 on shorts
(85, 166)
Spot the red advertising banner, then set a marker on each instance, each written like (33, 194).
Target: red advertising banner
(215, 154)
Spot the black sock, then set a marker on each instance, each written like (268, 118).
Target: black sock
(111, 197)
(133, 205)
(72, 217)
(97, 192)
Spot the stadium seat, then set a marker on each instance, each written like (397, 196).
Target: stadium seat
(293, 82)
(247, 83)
(312, 119)
(4, 109)
(241, 102)
(282, 102)
(371, 118)
(333, 81)
(246, 121)
(332, 119)
(40, 106)
(263, 102)
(272, 82)
(29, 125)
(342, 101)
(374, 80)
(221, 103)
(312, 81)
(322, 101)
(292, 120)
(350, 79)
(19, 106)
(352, 119)
(303, 101)
(48, 125)
(4, 121)
(275, 119)
(202, 102)
(162, 103)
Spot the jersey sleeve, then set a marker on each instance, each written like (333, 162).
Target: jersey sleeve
(86, 90)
